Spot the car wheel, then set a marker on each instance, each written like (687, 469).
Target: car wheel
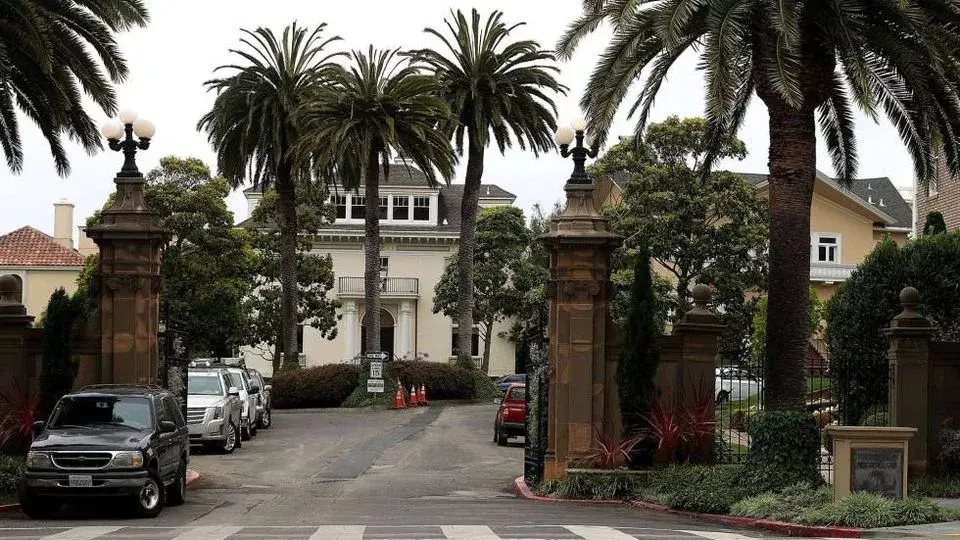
(502, 438)
(37, 507)
(149, 500)
(265, 419)
(231, 441)
(177, 492)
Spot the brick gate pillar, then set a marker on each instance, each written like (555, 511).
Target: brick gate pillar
(128, 278)
(909, 384)
(582, 390)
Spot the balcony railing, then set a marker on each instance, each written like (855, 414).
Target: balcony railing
(830, 272)
(392, 286)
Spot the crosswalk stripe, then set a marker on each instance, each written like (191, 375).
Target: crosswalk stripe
(716, 535)
(209, 532)
(339, 532)
(81, 533)
(588, 532)
(468, 532)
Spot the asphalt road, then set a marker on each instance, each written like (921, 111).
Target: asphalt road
(418, 473)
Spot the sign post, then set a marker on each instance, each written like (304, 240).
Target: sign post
(375, 382)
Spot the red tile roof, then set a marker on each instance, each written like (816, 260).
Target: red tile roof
(27, 246)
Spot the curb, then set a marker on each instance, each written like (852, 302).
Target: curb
(789, 529)
(192, 477)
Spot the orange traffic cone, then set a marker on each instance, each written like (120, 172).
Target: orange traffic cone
(398, 401)
(413, 396)
(423, 395)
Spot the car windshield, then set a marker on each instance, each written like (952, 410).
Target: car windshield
(518, 393)
(89, 411)
(204, 385)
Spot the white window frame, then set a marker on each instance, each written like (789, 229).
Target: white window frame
(816, 244)
(413, 208)
(394, 206)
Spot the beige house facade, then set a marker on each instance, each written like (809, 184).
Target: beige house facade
(846, 223)
(419, 231)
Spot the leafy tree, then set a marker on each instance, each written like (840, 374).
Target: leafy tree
(807, 62)
(58, 368)
(53, 54)
(640, 354)
(352, 126)
(758, 345)
(867, 301)
(254, 128)
(698, 230)
(498, 91)
(934, 224)
(314, 277)
(502, 237)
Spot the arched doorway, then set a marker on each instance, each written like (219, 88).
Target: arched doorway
(386, 333)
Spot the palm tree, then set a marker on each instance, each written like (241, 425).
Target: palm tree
(497, 91)
(808, 62)
(51, 54)
(379, 105)
(254, 130)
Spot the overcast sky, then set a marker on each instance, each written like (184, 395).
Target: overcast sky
(186, 39)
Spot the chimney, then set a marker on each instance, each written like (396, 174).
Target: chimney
(63, 223)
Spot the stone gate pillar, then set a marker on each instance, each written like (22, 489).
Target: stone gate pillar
(128, 278)
(582, 374)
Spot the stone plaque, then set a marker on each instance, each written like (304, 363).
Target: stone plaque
(877, 470)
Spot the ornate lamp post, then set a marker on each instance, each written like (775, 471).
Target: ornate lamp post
(583, 345)
(128, 277)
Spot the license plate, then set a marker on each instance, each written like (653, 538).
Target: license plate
(80, 480)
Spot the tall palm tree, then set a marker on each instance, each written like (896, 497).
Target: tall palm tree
(51, 54)
(808, 62)
(379, 105)
(254, 129)
(498, 91)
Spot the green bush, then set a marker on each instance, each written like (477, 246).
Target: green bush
(58, 369)
(444, 381)
(640, 354)
(879, 418)
(784, 450)
(935, 486)
(869, 299)
(314, 387)
(11, 472)
(948, 452)
(699, 488)
(599, 487)
(868, 510)
(786, 505)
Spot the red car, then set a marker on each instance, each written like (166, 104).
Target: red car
(512, 415)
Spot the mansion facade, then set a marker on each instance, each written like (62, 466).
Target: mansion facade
(419, 232)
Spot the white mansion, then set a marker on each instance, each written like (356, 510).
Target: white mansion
(419, 230)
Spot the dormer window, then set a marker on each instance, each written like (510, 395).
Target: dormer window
(421, 208)
(401, 207)
(383, 208)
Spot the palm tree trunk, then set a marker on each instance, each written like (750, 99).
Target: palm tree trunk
(287, 204)
(465, 256)
(793, 160)
(371, 271)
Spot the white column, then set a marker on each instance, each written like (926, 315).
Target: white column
(350, 322)
(406, 329)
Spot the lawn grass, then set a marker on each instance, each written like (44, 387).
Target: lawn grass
(815, 384)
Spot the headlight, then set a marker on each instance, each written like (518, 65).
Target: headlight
(127, 460)
(217, 412)
(246, 408)
(38, 460)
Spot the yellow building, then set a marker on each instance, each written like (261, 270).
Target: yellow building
(40, 262)
(845, 223)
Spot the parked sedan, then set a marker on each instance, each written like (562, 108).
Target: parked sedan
(736, 384)
(512, 415)
(265, 403)
(504, 382)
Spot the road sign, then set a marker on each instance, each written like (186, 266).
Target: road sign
(375, 386)
(376, 369)
(375, 355)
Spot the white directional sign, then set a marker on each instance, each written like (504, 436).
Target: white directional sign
(375, 386)
(375, 355)
(376, 369)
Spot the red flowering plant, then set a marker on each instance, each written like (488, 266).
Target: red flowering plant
(18, 412)
(681, 433)
(610, 450)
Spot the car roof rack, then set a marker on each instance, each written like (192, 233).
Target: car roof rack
(119, 386)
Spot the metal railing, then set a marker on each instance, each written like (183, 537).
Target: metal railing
(830, 272)
(388, 286)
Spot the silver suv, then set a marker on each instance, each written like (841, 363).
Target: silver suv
(214, 411)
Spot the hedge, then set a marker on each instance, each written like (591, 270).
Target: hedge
(443, 381)
(314, 387)
(784, 449)
(11, 472)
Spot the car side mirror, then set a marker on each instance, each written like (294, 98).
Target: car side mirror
(38, 427)
(254, 389)
(166, 426)
(233, 391)
(268, 388)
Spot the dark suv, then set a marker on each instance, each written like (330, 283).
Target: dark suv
(108, 441)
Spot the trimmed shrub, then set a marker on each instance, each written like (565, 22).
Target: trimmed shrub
(868, 510)
(699, 488)
(948, 453)
(599, 487)
(314, 387)
(935, 486)
(444, 381)
(11, 472)
(58, 369)
(640, 354)
(785, 505)
(784, 450)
